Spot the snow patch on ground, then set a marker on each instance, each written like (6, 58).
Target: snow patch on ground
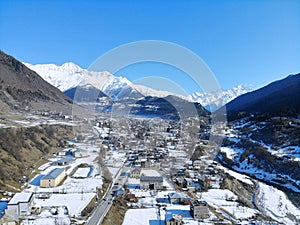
(225, 201)
(238, 176)
(275, 204)
(230, 153)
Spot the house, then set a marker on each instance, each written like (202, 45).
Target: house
(133, 183)
(165, 164)
(131, 197)
(189, 183)
(175, 216)
(199, 210)
(19, 205)
(199, 164)
(188, 164)
(62, 162)
(5, 220)
(63, 152)
(77, 153)
(136, 173)
(207, 181)
(151, 182)
(177, 198)
(54, 178)
(138, 163)
(176, 219)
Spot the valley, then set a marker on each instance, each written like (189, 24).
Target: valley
(108, 154)
(162, 150)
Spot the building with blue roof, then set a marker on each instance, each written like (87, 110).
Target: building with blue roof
(157, 222)
(54, 178)
(183, 213)
(175, 217)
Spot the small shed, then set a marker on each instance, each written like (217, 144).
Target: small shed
(177, 197)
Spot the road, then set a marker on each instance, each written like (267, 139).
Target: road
(102, 209)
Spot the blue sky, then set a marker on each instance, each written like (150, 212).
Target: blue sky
(243, 42)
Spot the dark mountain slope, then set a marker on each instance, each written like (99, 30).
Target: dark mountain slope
(85, 94)
(279, 98)
(22, 88)
(170, 107)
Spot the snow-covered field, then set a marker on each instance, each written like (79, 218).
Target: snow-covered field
(226, 200)
(243, 178)
(49, 220)
(81, 172)
(140, 216)
(74, 202)
(288, 151)
(82, 185)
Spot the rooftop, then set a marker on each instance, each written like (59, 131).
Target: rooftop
(64, 160)
(177, 195)
(53, 174)
(182, 213)
(199, 202)
(157, 179)
(20, 197)
(150, 173)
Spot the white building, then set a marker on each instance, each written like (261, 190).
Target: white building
(151, 183)
(19, 205)
(199, 210)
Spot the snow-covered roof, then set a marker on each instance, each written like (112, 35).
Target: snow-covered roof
(150, 173)
(175, 195)
(20, 197)
(53, 174)
(137, 170)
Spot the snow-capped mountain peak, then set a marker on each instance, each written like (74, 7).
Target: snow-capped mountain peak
(215, 100)
(63, 77)
(70, 75)
(71, 67)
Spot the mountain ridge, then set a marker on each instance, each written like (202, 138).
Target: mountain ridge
(70, 75)
(277, 98)
(24, 89)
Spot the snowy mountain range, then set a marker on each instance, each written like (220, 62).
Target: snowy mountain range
(70, 75)
(214, 100)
